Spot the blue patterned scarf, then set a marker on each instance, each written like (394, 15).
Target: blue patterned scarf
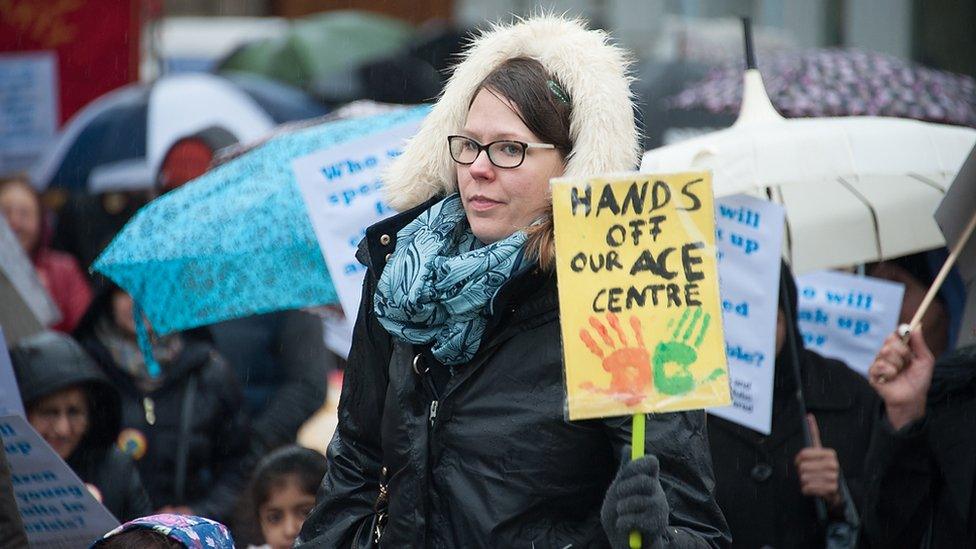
(439, 282)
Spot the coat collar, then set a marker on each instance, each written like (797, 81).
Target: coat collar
(381, 237)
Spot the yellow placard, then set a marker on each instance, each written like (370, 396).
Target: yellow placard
(638, 294)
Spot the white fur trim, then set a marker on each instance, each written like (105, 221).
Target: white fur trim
(593, 71)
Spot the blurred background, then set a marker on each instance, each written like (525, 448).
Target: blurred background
(107, 105)
(397, 51)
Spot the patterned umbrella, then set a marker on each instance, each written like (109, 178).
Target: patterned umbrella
(236, 241)
(842, 82)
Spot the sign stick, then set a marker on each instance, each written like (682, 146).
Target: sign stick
(937, 283)
(636, 451)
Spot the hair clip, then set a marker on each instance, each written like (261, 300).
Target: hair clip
(557, 91)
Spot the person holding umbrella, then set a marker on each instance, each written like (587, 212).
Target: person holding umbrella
(923, 453)
(452, 430)
(768, 484)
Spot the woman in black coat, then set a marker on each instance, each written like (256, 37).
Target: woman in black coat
(73, 406)
(452, 429)
(766, 500)
(186, 429)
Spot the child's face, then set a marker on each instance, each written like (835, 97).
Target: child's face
(282, 515)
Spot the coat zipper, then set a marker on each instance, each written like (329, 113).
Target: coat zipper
(150, 409)
(433, 412)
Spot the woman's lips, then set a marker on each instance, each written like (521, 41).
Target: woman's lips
(481, 203)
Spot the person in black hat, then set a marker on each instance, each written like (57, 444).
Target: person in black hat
(75, 409)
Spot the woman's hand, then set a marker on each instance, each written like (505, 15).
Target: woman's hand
(818, 469)
(902, 375)
(635, 501)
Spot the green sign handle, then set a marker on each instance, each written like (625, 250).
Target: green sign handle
(636, 451)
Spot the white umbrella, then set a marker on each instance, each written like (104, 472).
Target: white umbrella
(855, 189)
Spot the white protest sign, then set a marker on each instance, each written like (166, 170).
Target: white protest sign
(57, 509)
(847, 317)
(10, 403)
(749, 234)
(28, 108)
(343, 193)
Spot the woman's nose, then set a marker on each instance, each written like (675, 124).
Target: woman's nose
(62, 425)
(293, 525)
(482, 167)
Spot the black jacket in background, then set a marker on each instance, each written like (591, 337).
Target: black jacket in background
(61, 364)
(216, 438)
(925, 473)
(281, 360)
(494, 463)
(758, 487)
(758, 484)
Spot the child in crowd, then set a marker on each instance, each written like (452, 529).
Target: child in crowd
(282, 493)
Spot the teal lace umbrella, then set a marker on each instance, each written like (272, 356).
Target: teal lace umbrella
(236, 241)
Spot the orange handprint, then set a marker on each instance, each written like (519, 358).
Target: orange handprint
(628, 366)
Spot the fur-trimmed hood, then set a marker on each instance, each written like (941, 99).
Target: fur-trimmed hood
(593, 72)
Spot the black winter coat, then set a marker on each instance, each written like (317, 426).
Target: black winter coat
(281, 360)
(198, 412)
(213, 431)
(758, 484)
(486, 458)
(923, 476)
(117, 479)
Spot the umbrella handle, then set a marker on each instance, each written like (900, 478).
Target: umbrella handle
(943, 273)
(792, 345)
(145, 342)
(750, 48)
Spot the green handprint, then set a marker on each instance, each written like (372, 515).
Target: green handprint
(680, 354)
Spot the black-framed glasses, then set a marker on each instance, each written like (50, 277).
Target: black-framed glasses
(503, 154)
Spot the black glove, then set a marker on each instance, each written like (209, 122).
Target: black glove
(635, 501)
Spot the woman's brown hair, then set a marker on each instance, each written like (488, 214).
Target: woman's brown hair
(545, 108)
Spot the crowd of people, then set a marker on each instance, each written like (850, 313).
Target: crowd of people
(188, 440)
(451, 427)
